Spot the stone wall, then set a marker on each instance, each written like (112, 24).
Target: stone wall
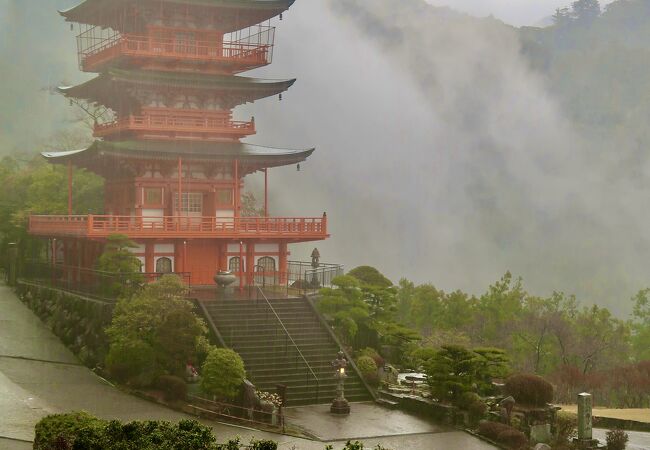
(78, 321)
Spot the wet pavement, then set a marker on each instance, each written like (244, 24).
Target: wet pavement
(638, 440)
(39, 376)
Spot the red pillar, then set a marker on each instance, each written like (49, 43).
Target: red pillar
(250, 263)
(284, 262)
(69, 188)
(237, 193)
(241, 266)
(266, 192)
(149, 258)
(180, 187)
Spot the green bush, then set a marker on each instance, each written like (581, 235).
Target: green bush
(82, 431)
(222, 373)
(513, 439)
(130, 360)
(154, 332)
(529, 389)
(174, 388)
(616, 439)
(492, 430)
(368, 370)
(61, 430)
(372, 353)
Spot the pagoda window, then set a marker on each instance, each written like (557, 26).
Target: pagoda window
(234, 264)
(192, 202)
(224, 197)
(266, 264)
(185, 43)
(164, 265)
(153, 196)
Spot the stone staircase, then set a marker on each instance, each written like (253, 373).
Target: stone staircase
(271, 356)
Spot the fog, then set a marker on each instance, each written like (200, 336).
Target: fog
(441, 157)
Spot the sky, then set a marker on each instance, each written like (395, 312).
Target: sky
(515, 12)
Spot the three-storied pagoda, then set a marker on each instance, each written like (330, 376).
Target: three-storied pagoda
(168, 146)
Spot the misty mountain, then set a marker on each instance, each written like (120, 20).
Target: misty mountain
(450, 149)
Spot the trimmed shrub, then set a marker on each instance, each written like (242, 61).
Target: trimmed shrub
(82, 431)
(174, 388)
(513, 439)
(529, 389)
(222, 373)
(492, 430)
(61, 430)
(131, 361)
(368, 370)
(616, 439)
(371, 352)
(566, 428)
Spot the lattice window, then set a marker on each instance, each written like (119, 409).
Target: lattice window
(192, 202)
(224, 196)
(266, 264)
(234, 264)
(153, 196)
(164, 265)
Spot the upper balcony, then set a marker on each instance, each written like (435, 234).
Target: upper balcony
(161, 123)
(169, 49)
(302, 229)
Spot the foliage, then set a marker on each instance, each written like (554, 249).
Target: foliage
(368, 369)
(122, 267)
(418, 356)
(132, 360)
(496, 430)
(223, 373)
(370, 276)
(513, 439)
(529, 389)
(451, 373)
(250, 206)
(270, 397)
(566, 429)
(616, 439)
(173, 387)
(80, 430)
(372, 353)
(159, 322)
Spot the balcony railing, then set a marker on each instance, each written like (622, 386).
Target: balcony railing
(170, 123)
(96, 48)
(314, 228)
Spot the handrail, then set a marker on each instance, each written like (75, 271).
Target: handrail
(259, 291)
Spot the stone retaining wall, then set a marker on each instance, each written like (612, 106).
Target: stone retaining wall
(78, 321)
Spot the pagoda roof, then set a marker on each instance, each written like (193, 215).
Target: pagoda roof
(108, 87)
(103, 12)
(98, 157)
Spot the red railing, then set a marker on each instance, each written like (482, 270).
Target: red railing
(179, 226)
(180, 121)
(243, 54)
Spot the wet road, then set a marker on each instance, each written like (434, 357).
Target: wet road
(39, 376)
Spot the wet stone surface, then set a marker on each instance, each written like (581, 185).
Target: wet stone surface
(39, 376)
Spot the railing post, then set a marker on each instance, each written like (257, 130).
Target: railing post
(90, 224)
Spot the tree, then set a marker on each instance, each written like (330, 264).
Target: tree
(451, 372)
(250, 207)
(345, 306)
(586, 11)
(122, 269)
(157, 320)
(562, 17)
(222, 373)
(370, 276)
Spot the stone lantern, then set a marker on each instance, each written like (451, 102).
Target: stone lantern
(340, 405)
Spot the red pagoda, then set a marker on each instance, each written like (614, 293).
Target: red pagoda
(168, 145)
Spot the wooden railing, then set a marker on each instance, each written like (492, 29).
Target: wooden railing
(180, 226)
(178, 121)
(246, 55)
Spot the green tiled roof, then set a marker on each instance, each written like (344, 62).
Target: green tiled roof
(91, 11)
(108, 88)
(191, 150)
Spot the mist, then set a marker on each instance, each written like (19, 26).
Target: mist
(441, 156)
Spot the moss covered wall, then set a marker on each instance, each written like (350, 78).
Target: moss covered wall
(78, 321)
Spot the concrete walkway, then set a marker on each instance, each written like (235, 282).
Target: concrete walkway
(39, 376)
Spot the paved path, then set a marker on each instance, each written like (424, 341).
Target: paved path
(39, 376)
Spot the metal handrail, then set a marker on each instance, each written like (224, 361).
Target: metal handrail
(268, 303)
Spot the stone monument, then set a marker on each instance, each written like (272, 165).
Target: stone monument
(585, 438)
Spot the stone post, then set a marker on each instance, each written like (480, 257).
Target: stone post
(585, 422)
